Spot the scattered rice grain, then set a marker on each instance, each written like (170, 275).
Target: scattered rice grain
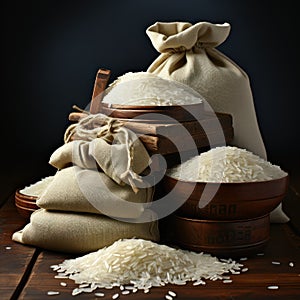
(168, 297)
(125, 292)
(76, 291)
(273, 287)
(8, 248)
(63, 284)
(243, 258)
(197, 283)
(172, 294)
(54, 267)
(291, 264)
(61, 276)
(99, 294)
(52, 293)
(115, 296)
(275, 263)
(227, 281)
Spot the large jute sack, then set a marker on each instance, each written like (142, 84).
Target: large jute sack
(103, 142)
(80, 233)
(86, 190)
(188, 54)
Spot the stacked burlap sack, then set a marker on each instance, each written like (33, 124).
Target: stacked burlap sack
(97, 195)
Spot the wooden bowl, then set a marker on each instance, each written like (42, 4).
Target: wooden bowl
(179, 113)
(230, 201)
(25, 204)
(222, 238)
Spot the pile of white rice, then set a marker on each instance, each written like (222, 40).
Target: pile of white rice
(226, 164)
(37, 188)
(143, 88)
(137, 264)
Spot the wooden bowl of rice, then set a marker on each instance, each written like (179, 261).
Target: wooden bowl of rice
(231, 201)
(228, 238)
(234, 200)
(25, 198)
(140, 94)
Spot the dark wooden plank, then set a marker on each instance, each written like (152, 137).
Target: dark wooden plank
(193, 127)
(17, 258)
(284, 247)
(163, 145)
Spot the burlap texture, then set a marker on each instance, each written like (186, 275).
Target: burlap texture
(188, 55)
(80, 233)
(106, 144)
(86, 190)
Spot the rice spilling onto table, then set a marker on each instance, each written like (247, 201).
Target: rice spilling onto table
(143, 264)
(226, 164)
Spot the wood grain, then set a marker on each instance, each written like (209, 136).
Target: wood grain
(19, 281)
(249, 285)
(16, 261)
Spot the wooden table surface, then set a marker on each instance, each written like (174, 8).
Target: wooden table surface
(25, 271)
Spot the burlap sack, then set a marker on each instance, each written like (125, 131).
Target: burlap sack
(80, 233)
(84, 190)
(188, 55)
(104, 143)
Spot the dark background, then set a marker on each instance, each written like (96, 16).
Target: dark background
(51, 51)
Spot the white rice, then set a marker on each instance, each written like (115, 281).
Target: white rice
(143, 88)
(36, 189)
(141, 264)
(226, 164)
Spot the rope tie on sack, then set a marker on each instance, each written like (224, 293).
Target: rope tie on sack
(99, 125)
(178, 49)
(198, 45)
(93, 126)
(129, 174)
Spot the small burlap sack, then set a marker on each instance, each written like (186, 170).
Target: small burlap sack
(80, 233)
(188, 55)
(103, 142)
(85, 190)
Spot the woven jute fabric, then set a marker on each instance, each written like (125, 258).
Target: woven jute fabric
(105, 143)
(80, 233)
(188, 54)
(85, 190)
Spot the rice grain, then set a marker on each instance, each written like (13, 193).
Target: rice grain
(162, 265)
(52, 293)
(172, 294)
(99, 294)
(226, 164)
(273, 287)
